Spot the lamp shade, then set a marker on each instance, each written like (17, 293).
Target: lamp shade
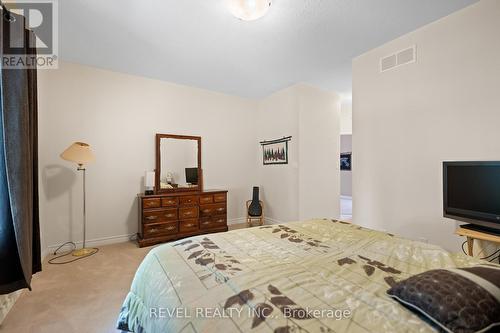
(78, 152)
(149, 179)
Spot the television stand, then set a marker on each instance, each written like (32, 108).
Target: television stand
(479, 228)
(472, 232)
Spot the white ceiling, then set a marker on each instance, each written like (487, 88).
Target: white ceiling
(199, 43)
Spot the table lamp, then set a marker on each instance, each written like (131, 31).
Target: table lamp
(149, 183)
(80, 153)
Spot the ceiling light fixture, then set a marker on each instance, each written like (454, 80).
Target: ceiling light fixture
(249, 10)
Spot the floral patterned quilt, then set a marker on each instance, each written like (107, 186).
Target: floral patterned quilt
(314, 276)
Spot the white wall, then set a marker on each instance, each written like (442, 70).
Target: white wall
(319, 150)
(118, 115)
(410, 119)
(308, 186)
(277, 117)
(346, 117)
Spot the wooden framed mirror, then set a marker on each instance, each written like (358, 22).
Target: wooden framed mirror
(178, 163)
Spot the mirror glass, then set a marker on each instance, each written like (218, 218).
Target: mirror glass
(179, 163)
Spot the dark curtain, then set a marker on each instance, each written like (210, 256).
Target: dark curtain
(20, 255)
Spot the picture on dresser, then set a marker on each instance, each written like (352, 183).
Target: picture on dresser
(275, 151)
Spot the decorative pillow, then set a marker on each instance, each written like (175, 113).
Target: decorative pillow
(459, 300)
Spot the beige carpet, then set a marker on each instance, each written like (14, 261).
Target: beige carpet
(84, 296)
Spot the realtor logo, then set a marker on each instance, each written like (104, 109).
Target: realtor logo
(29, 28)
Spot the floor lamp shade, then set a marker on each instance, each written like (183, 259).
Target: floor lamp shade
(78, 152)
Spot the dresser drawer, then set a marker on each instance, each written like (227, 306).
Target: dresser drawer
(206, 199)
(219, 221)
(188, 200)
(188, 225)
(213, 222)
(151, 203)
(206, 210)
(220, 197)
(169, 202)
(161, 229)
(211, 210)
(188, 213)
(164, 215)
(220, 209)
(170, 214)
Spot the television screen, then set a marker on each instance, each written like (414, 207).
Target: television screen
(192, 176)
(472, 192)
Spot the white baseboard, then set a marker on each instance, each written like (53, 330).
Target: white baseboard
(238, 220)
(241, 220)
(95, 242)
(125, 238)
(117, 239)
(45, 253)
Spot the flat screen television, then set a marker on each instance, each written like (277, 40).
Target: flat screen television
(471, 193)
(192, 176)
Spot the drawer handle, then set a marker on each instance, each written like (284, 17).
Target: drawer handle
(219, 221)
(190, 225)
(205, 223)
(220, 209)
(151, 218)
(153, 230)
(149, 204)
(188, 213)
(206, 211)
(169, 215)
(170, 202)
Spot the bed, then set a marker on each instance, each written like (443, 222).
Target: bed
(314, 276)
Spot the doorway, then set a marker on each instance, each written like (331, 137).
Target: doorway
(346, 177)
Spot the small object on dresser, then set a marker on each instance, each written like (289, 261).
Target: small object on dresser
(149, 182)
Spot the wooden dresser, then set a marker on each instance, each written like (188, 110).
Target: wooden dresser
(170, 216)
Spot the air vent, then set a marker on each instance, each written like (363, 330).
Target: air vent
(406, 56)
(388, 62)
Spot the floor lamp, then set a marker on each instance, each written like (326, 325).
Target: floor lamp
(80, 153)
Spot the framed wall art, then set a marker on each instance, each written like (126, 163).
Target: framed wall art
(275, 151)
(346, 161)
